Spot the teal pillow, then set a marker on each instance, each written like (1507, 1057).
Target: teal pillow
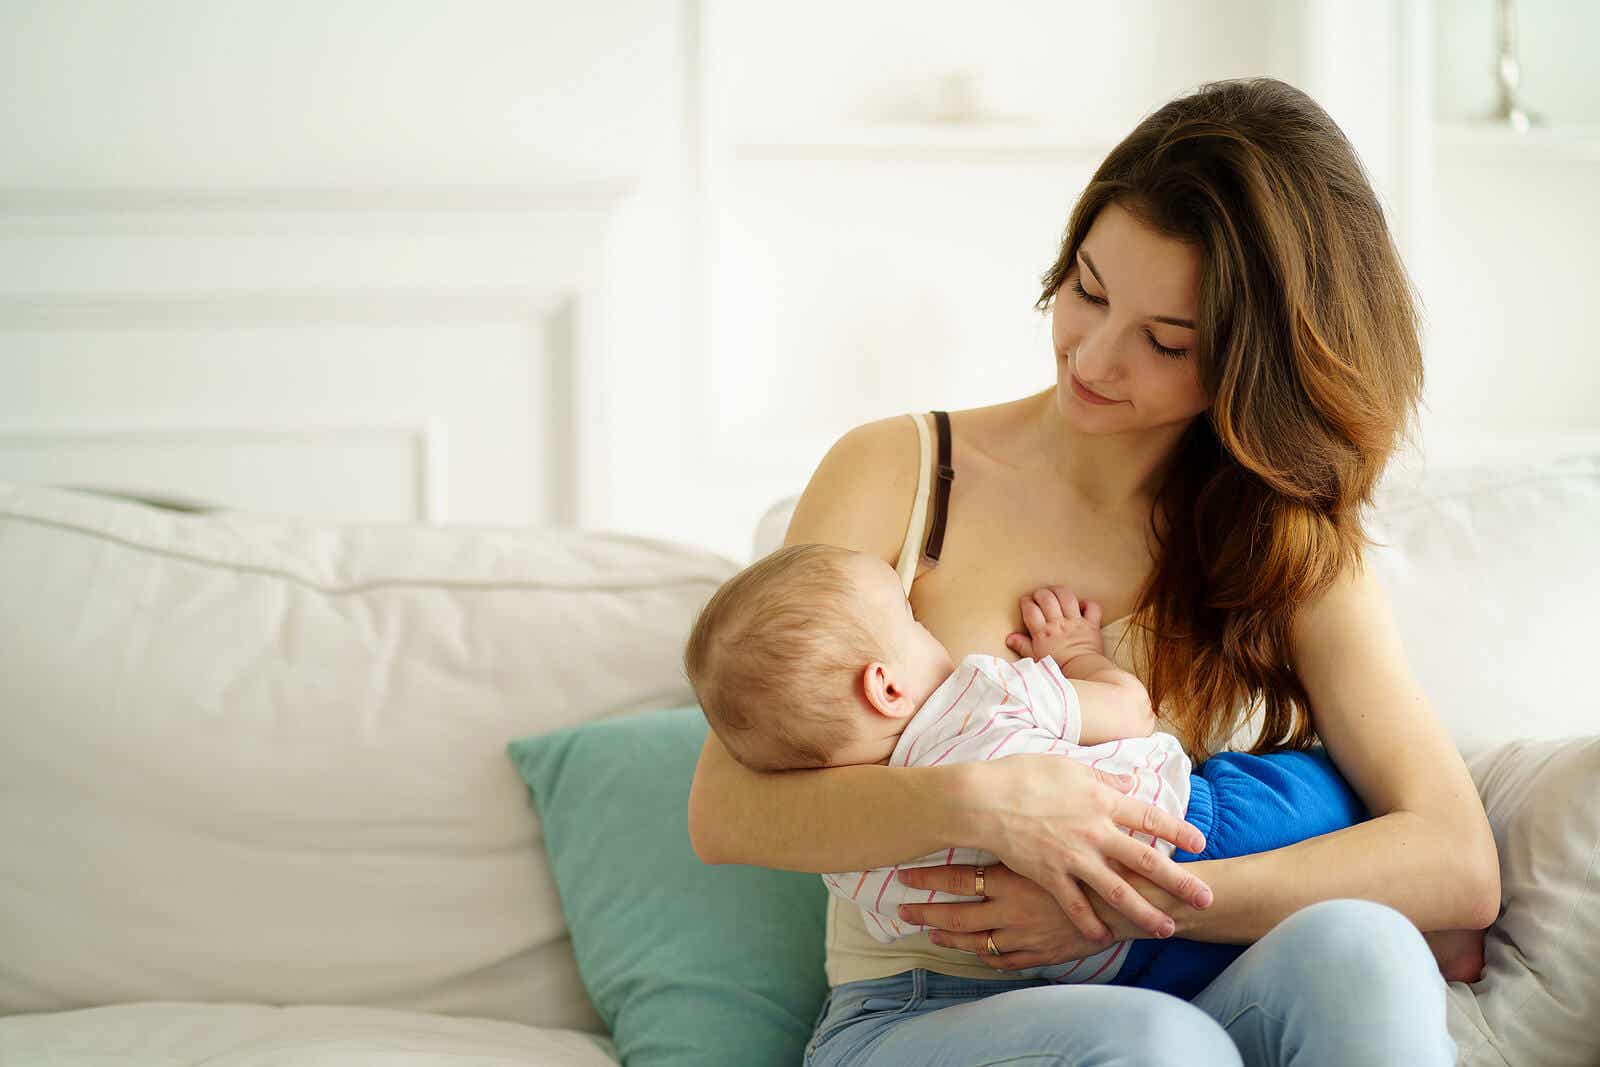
(688, 964)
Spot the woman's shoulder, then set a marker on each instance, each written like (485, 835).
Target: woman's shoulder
(1000, 432)
(862, 490)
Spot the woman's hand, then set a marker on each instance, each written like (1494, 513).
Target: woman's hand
(1058, 823)
(1027, 925)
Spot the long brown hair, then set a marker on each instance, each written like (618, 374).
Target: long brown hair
(1307, 348)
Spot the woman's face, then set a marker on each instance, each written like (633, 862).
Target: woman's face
(1122, 326)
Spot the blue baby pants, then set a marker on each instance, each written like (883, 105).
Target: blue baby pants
(1243, 804)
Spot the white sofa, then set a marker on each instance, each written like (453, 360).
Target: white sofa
(255, 805)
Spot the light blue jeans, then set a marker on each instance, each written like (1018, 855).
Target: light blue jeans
(1342, 983)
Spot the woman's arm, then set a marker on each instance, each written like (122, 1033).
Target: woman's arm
(859, 497)
(1428, 850)
(826, 819)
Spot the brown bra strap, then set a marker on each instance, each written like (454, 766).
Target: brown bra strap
(943, 475)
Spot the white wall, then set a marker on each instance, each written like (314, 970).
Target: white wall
(636, 264)
(341, 258)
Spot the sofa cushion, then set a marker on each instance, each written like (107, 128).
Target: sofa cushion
(1540, 991)
(210, 1035)
(689, 964)
(263, 760)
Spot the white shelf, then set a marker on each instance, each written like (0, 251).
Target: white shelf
(1484, 142)
(981, 142)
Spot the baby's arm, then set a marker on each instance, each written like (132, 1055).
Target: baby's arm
(1112, 702)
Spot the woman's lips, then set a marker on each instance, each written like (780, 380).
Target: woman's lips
(1086, 395)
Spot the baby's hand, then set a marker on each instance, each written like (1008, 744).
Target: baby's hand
(1058, 626)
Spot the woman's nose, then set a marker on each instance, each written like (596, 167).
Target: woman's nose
(1096, 361)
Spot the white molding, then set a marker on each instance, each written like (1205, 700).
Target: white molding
(425, 440)
(179, 310)
(965, 142)
(703, 126)
(533, 198)
(1414, 151)
(1487, 143)
(433, 479)
(525, 211)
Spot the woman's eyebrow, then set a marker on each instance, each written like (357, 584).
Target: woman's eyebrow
(1169, 319)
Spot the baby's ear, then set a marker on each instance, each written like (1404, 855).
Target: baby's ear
(874, 682)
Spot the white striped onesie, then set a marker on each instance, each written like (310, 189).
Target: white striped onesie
(990, 708)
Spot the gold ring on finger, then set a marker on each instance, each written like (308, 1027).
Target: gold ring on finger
(992, 950)
(977, 883)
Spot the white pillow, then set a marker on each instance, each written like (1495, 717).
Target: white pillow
(1491, 575)
(1539, 997)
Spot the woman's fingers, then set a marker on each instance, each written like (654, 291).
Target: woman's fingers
(1126, 899)
(1145, 860)
(958, 879)
(973, 915)
(964, 925)
(1146, 818)
(1074, 904)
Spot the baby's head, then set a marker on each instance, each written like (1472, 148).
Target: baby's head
(810, 657)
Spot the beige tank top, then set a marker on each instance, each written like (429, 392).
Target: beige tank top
(852, 954)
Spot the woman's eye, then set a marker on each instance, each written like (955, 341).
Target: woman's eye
(1077, 287)
(1085, 295)
(1171, 353)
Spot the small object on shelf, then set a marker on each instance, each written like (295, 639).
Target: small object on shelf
(1508, 73)
(958, 97)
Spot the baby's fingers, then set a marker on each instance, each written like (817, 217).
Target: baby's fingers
(1051, 605)
(1032, 617)
(1091, 613)
(1021, 645)
(1068, 602)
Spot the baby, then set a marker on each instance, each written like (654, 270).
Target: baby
(811, 657)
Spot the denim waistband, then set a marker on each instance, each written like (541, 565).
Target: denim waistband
(921, 982)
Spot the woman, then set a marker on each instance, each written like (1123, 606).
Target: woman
(1236, 359)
